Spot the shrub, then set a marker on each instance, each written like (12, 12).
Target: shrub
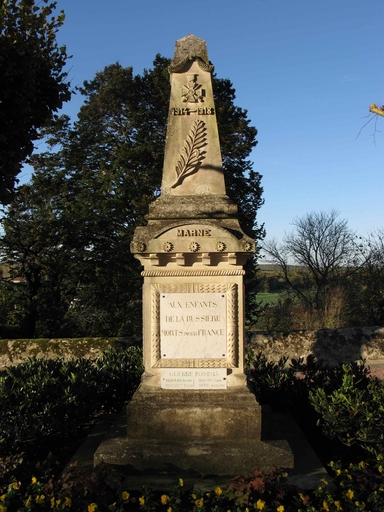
(352, 412)
(292, 388)
(50, 405)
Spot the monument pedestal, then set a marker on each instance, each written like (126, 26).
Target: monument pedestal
(194, 433)
(193, 412)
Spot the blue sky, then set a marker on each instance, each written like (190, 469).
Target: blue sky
(306, 71)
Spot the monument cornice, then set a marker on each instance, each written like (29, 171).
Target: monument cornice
(192, 273)
(180, 67)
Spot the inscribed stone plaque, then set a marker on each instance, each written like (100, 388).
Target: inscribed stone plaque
(193, 325)
(194, 378)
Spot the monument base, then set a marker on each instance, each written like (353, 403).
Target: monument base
(192, 433)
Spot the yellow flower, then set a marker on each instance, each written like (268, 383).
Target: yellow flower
(125, 495)
(362, 464)
(325, 506)
(169, 509)
(338, 472)
(349, 494)
(164, 499)
(39, 499)
(338, 506)
(142, 500)
(280, 509)
(28, 502)
(34, 480)
(3, 508)
(181, 482)
(380, 468)
(68, 502)
(325, 482)
(2, 498)
(246, 509)
(92, 507)
(15, 486)
(260, 504)
(199, 503)
(53, 502)
(218, 491)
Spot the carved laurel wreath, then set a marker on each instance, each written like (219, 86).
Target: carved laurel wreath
(191, 155)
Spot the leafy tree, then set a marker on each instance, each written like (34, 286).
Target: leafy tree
(316, 260)
(93, 187)
(33, 84)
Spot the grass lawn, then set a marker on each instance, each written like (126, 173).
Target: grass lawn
(268, 298)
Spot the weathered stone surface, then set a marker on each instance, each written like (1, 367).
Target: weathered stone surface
(171, 415)
(194, 432)
(195, 457)
(332, 346)
(17, 351)
(188, 48)
(192, 161)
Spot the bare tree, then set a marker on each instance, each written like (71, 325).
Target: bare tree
(376, 111)
(316, 259)
(367, 292)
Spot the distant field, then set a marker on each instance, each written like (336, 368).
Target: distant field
(268, 298)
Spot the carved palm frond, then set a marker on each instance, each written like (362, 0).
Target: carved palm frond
(191, 156)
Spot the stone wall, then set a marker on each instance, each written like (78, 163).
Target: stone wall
(13, 352)
(330, 345)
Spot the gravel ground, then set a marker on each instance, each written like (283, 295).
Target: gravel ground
(377, 369)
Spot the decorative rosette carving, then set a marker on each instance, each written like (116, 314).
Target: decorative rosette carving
(194, 246)
(220, 246)
(167, 246)
(246, 246)
(139, 246)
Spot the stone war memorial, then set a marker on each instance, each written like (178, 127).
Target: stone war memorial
(193, 413)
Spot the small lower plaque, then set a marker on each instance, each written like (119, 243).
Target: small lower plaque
(194, 378)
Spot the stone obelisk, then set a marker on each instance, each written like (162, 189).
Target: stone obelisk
(193, 411)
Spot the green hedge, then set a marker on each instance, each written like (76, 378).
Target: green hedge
(48, 405)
